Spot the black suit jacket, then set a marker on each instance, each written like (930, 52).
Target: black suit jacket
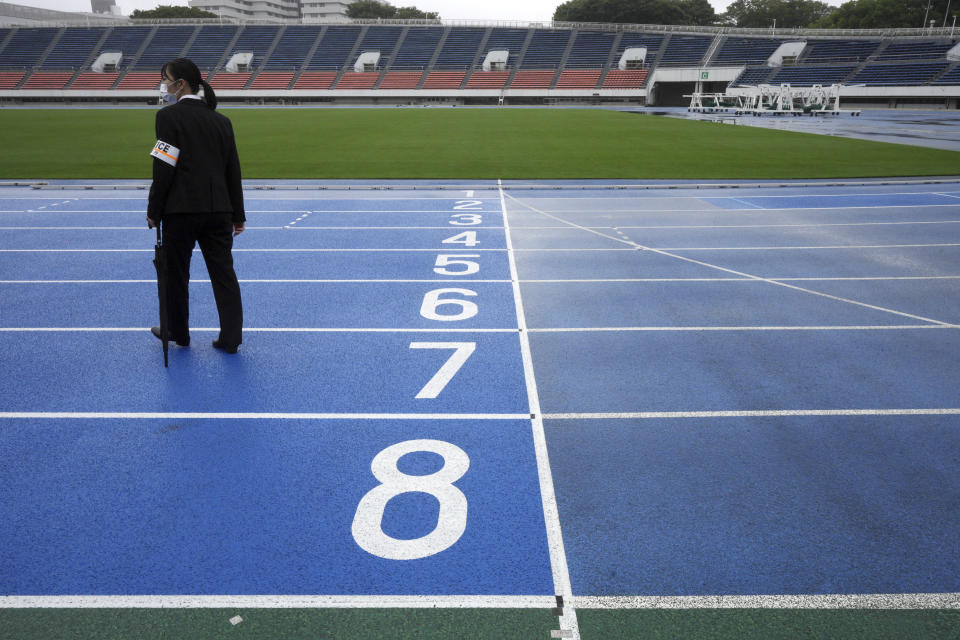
(206, 177)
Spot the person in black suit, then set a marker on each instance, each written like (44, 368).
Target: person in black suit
(197, 196)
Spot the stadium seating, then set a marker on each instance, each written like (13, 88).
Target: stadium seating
(746, 50)
(334, 47)
(315, 80)
(210, 45)
(533, 79)
(753, 76)
(579, 78)
(126, 41)
(488, 80)
(617, 79)
(48, 80)
(839, 50)
(807, 76)
(417, 49)
(140, 80)
(272, 80)
(255, 39)
(952, 76)
(507, 39)
(915, 50)
(433, 57)
(898, 74)
(97, 81)
(460, 48)
(292, 48)
(73, 48)
(353, 80)
(590, 49)
(444, 80)
(546, 49)
(10, 79)
(685, 50)
(167, 43)
(401, 80)
(27, 45)
(382, 39)
(225, 80)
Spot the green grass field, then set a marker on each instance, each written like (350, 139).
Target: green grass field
(456, 144)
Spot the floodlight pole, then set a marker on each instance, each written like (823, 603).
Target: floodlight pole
(927, 13)
(946, 13)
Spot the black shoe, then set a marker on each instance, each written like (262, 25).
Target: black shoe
(219, 345)
(184, 342)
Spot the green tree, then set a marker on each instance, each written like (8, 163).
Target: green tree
(787, 13)
(636, 11)
(375, 9)
(885, 14)
(166, 11)
(698, 12)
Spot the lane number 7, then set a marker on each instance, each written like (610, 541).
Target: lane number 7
(462, 352)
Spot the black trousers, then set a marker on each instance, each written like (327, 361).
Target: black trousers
(214, 233)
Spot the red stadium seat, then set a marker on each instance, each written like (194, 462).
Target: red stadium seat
(401, 80)
(488, 80)
(444, 80)
(579, 78)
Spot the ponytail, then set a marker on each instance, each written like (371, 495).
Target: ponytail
(183, 68)
(208, 95)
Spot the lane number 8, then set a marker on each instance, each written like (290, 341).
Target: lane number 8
(452, 520)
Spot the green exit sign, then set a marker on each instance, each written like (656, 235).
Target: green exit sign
(704, 75)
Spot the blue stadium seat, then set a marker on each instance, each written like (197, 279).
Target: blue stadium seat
(334, 48)
(291, 51)
(839, 50)
(632, 40)
(590, 49)
(73, 48)
(167, 43)
(806, 76)
(898, 74)
(382, 39)
(255, 39)
(915, 50)
(753, 76)
(746, 50)
(26, 47)
(685, 50)
(460, 48)
(950, 77)
(546, 49)
(210, 45)
(510, 39)
(126, 40)
(418, 48)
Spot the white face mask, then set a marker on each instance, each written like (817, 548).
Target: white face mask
(167, 97)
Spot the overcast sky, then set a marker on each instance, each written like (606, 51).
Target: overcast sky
(525, 10)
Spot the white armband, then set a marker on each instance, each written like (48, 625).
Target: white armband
(166, 152)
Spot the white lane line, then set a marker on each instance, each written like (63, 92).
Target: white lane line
(545, 281)
(749, 204)
(272, 281)
(741, 273)
(773, 413)
(701, 196)
(808, 247)
(277, 602)
(255, 330)
(187, 415)
(777, 226)
(247, 250)
(880, 327)
(284, 212)
(551, 513)
(949, 195)
(818, 601)
(660, 211)
(249, 228)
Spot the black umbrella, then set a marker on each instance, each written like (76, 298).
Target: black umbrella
(160, 262)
